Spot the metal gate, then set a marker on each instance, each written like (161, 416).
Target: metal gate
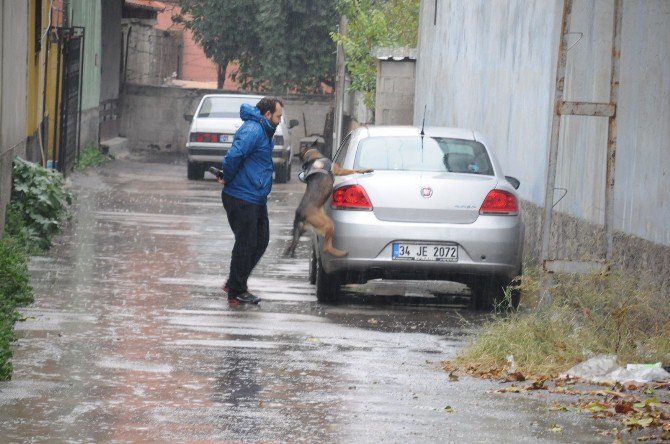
(70, 115)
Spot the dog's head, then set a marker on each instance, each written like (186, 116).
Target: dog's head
(309, 152)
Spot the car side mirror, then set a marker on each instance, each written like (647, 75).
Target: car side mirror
(514, 181)
(293, 123)
(188, 117)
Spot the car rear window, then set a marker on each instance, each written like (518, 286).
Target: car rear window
(411, 153)
(223, 106)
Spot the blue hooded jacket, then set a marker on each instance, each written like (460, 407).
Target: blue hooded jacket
(247, 167)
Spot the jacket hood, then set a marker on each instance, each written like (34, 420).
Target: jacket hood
(250, 112)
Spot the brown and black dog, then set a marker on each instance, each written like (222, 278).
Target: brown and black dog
(319, 175)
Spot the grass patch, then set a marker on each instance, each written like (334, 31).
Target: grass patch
(590, 314)
(91, 156)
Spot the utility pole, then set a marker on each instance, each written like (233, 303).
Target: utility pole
(339, 88)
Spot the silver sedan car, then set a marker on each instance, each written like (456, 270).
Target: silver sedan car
(436, 207)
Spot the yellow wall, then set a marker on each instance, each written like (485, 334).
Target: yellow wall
(37, 107)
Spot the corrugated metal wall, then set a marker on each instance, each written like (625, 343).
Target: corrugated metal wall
(495, 65)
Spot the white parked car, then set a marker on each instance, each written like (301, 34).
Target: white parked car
(213, 128)
(437, 206)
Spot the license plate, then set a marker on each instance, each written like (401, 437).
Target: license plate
(425, 252)
(223, 137)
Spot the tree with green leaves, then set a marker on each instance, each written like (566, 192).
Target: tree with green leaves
(374, 23)
(222, 29)
(283, 45)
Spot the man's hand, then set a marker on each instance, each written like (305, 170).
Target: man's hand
(366, 170)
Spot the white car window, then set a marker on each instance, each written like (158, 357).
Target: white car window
(226, 107)
(414, 153)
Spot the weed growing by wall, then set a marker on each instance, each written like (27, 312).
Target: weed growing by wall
(37, 208)
(91, 156)
(590, 314)
(15, 291)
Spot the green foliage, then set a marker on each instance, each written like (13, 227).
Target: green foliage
(279, 46)
(38, 204)
(14, 291)
(374, 23)
(91, 156)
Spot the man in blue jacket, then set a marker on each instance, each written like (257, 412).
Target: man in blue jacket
(247, 180)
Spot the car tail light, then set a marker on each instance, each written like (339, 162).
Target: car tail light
(205, 137)
(279, 140)
(500, 202)
(351, 197)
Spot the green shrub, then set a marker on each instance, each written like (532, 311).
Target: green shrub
(15, 291)
(38, 205)
(91, 156)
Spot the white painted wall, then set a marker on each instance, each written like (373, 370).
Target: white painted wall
(491, 65)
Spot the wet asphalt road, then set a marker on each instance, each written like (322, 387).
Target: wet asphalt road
(130, 338)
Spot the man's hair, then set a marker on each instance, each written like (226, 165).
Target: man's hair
(268, 104)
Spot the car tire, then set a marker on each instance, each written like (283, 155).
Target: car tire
(280, 174)
(312, 267)
(491, 294)
(327, 285)
(288, 169)
(195, 171)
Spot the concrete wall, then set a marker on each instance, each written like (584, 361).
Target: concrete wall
(491, 65)
(13, 75)
(152, 116)
(153, 56)
(394, 100)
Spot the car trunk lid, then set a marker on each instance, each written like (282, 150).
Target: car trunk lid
(433, 197)
(217, 125)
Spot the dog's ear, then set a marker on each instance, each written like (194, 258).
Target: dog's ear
(313, 145)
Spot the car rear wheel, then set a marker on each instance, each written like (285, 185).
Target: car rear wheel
(327, 285)
(288, 169)
(312, 267)
(280, 174)
(494, 293)
(195, 171)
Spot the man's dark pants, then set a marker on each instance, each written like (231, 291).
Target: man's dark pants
(251, 228)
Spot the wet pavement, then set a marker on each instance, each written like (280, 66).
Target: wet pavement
(131, 339)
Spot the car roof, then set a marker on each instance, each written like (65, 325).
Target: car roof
(434, 131)
(239, 96)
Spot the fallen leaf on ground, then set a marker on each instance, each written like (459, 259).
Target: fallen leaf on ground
(516, 376)
(623, 407)
(638, 422)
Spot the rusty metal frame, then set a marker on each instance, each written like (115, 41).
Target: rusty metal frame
(580, 109)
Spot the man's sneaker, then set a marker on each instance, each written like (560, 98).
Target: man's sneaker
(246, 298)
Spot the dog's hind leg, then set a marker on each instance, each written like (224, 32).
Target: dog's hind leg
(298, 230)
(321, 222)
